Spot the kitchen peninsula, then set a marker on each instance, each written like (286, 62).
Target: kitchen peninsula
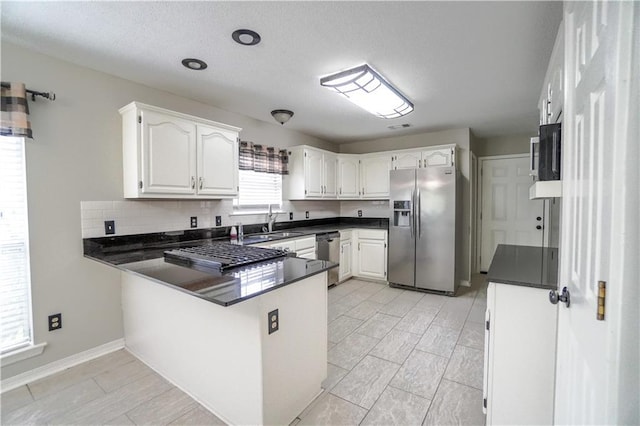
(249, 343)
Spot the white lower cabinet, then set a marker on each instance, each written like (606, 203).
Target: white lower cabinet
(304, 247)
(371, 249)
(520, 354)
(346, 255)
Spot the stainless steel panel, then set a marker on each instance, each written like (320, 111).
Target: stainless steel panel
(328, 248)
(436, 231)
(401, 253)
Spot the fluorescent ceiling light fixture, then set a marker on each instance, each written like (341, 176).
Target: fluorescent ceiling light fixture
(370, 91)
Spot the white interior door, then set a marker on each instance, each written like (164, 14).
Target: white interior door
(597, 361)
(507, 214)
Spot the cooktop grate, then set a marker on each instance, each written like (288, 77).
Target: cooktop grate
(221, 256)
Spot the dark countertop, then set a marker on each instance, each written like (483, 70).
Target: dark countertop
(230, 287)
(525, 266)
(143, 255)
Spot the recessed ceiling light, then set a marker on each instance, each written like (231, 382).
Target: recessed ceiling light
(194, 64)
(246, 37)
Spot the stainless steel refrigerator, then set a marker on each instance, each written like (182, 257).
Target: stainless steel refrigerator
(424, 229)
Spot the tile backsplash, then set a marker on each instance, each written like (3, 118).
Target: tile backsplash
(145, 216)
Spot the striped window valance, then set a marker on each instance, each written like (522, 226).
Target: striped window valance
(265, 159)
(15, 111)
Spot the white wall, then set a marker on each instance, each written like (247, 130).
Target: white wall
(502, 145)
(76, 156)
(460, 137)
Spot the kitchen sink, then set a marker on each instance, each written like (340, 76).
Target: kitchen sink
(256, 238)
(284, 234)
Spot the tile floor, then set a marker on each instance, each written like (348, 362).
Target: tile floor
(395, 357)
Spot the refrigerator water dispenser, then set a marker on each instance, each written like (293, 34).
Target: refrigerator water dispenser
(402, 213)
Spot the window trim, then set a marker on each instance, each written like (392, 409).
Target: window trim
(28, 348)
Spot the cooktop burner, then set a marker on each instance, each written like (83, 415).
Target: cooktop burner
(221, 256)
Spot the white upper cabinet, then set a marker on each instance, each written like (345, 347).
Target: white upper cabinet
(348, 176)
(168, 154)
(374, 175)
(313, 173)
(171, 155)
(330, 175)
(314, 166)
(217, 153)
(552, 96)
(440, 156)
(407, 160)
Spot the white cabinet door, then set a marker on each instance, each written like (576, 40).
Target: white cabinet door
(168, 154)
(438, 158)
(345, 261)
(289, 245)
(217, 153)
(407, 160)
(314, 165)
(348, 177)
(519, 355)
(374, 173)
(306, 254)
(372, 259)
(330, 175)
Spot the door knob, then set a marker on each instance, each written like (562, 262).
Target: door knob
(538, 227)
(565, 297)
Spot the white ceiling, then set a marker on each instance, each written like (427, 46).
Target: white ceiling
(462, 64)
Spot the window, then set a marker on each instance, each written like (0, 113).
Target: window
(15, 281)
(258, 189)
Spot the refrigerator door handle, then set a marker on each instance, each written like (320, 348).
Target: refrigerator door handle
(412, 217)
(418, 216)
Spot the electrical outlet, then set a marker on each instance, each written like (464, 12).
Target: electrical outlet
(274, 321)
(306, 215)
(359, 213)
(218, 220)
(290, 215)
(55, 322)
(109, 227)
(194, 221)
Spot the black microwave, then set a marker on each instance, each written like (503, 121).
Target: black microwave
(546, 152)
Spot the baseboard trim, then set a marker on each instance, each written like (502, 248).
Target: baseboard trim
(59, 365)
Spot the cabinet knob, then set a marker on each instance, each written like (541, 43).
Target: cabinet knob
(538, 227)
(538, 218)
(193, 182)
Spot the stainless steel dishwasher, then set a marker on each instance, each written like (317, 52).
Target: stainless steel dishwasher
(328, 248)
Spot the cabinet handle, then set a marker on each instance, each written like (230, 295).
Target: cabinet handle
(201, 182)
(362, 191)
(358, 246)
(193, 182)
(341, 191)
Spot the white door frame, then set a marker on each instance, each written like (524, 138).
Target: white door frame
(479, 203)
(473, 231)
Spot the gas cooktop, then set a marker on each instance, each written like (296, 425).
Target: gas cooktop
(221, 256)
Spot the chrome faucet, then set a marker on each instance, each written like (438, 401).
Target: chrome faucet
(271, 219)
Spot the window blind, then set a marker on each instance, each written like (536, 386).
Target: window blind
(15, 293)
(259, 189)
